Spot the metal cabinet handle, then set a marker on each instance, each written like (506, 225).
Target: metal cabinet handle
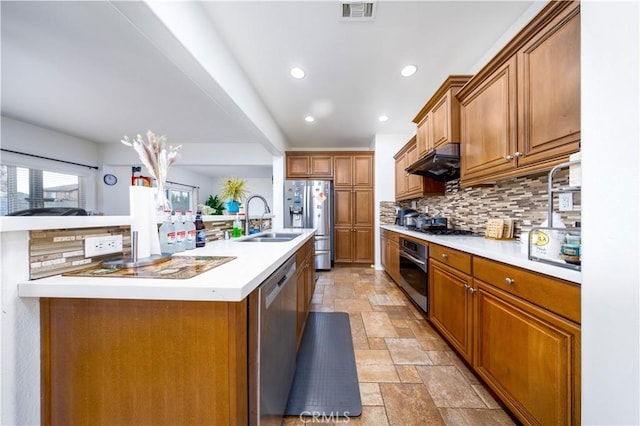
(509, 281)
(466, 286)
(445, 255)
(509, 157)
(472, 290)
(518, 154)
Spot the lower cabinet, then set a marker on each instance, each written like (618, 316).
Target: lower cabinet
(390, 252)
(519, 330)
(529, 357)
(353, 245)
(305, 285)
(451, 307)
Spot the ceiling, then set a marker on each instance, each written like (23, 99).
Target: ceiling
(100, 70)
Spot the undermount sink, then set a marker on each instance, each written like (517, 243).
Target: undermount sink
(271, 237)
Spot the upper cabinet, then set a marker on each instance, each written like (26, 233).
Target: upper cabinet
(410, 186)
(439, 120)
(521, 113)
(353, 170)
(305, 165)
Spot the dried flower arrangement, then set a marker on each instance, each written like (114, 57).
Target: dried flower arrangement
(157, 159)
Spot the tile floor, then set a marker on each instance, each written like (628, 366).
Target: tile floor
(408, 375)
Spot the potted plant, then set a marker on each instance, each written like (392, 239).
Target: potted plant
(234, 192)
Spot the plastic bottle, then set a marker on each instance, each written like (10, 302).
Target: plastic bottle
(549, 241)
(181, 232)
(167, 234)
(201, 233)
(236, 232)
(191, 231)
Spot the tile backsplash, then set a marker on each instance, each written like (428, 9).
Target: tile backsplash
(524, 199)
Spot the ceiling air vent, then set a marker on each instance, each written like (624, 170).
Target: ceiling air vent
(358, 11)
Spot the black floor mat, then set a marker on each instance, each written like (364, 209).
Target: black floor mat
(326, 380)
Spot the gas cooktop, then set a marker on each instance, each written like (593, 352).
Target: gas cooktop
(445, 231)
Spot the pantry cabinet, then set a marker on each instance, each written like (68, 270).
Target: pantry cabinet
(353, 208)
(520, 114)
(438, 122)
(302, 165)
(410, 186)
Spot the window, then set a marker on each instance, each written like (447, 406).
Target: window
(181, 199)
(24, 188)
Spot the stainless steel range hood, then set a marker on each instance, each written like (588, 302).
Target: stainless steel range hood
(442, 163)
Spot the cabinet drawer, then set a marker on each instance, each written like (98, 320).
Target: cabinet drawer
(451, 257)
(560, 297)
(390, 235)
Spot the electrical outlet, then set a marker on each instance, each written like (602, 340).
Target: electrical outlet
(565, 201)
(104, 244)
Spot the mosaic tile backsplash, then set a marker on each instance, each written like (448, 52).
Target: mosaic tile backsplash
(524, 199)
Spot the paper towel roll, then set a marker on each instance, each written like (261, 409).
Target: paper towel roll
(143, 220)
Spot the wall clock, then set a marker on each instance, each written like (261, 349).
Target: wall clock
(110, 179)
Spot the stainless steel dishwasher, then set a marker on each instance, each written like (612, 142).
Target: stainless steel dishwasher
(275, 364)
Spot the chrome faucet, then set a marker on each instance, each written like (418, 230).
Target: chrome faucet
(266, 210)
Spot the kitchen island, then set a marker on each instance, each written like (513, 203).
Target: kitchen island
(135, 350)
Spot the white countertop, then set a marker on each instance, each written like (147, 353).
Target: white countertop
(510, 252)
(232, 281)
(36, 223)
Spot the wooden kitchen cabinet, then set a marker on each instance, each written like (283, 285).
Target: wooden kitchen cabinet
(305, 285)
(438, 122)
(527, 342)
(520, 114)
(302, 165)
(353, 208)
(125, 362)
(410, 186)
(450, 298)
(353, 170)
(390, 253)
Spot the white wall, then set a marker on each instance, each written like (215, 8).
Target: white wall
(26, 138)
(385, 146)
(610, 157)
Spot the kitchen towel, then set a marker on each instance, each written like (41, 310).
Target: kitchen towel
(143, 220)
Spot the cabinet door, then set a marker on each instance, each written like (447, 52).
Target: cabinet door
(301, 303)
(321, 166)
(488, 125)
(343, 170)
(394, 261)
(529, 357)
(343, 207)
(363, 245)
(362, 176)
(297, 166)
(549, 91)
(424, 135)
(363, 207)
(343, 244)
(401, 177)
(441, 122)
(450, 308)
(384, 254)
(414, 182)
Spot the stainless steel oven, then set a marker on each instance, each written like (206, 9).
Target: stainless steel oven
(413, 271)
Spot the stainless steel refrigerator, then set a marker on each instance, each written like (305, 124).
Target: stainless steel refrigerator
(308, 204)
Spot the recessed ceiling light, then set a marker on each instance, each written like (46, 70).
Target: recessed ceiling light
(309, 119)
(409, 70)
(297, 73)
(383, 118)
